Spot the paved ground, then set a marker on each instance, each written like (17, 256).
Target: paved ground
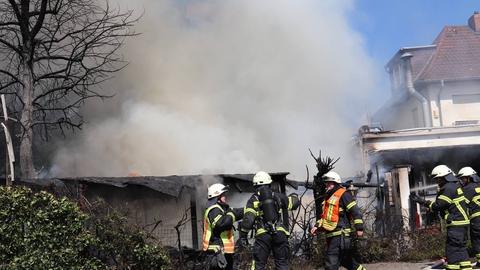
(397, 266)
(377, 266)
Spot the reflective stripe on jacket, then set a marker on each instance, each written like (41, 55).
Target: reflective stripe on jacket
(349, 214)
(252, 218)
(228, 243)
(472, 193)
(331, 211)
(452, 204)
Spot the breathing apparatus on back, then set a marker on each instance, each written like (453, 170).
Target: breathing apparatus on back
(268, 203)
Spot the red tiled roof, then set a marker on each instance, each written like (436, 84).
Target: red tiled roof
(456, 57)
(420, 58)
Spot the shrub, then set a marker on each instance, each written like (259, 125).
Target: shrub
(38, 231)
(416, 246)
(374, 249)
(123, 245)
(424, 245)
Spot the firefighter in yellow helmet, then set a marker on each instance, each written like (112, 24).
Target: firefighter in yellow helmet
(340, 210)
(452, 205)
(267, 213)
(471, 187)
(218, 222)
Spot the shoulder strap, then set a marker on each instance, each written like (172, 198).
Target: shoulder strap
(210, 208)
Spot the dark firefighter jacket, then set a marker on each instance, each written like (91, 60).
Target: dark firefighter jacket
(221, 220)
(348, 213)
(452, 205)
(472, 193)
(253, 214)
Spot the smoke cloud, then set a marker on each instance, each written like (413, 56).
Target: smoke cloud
(228, 86)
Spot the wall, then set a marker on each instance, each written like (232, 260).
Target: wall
(145, 207)
(406, 114)
(449, 103)
(170, 210)
(465, 104)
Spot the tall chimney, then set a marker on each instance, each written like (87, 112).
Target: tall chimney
(474, 21)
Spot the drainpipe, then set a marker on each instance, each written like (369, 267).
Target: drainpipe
(442, 86)
(412, 91)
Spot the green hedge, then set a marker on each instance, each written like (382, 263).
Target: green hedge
(39, 231)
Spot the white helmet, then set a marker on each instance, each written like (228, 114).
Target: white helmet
(332, 176)
(443, 171)
(262, 178)
(468, 172)
(216, 190)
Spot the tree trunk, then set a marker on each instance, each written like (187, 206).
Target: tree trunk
(27, 169)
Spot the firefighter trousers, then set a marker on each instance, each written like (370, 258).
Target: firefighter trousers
(456, 248)
(475, 236)
(277, 243)
(340, 252)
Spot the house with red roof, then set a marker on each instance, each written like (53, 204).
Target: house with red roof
(431, 118)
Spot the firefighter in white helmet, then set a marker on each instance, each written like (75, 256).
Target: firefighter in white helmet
(267, 213)
(218, 222)
(340, 214)
(452, 205)
(471, 187)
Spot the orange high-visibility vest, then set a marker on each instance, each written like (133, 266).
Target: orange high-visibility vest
(226, 236)
(331, 211)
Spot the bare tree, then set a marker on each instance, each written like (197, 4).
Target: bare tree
(53, 56)
(184, 220)
(301, 224)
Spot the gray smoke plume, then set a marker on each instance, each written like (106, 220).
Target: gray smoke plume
(228, 86)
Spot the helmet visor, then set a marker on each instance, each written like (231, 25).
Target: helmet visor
(450, 177)
(328, 179)
(225, 189)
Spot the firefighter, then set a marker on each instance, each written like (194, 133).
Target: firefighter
(218, 222)
(452, 204)
(471, 187)
(267, 213)
(339, 210)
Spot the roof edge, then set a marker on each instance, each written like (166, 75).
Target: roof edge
(407, 49)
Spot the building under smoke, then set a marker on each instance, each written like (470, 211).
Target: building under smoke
(158, 204)
(431, 118)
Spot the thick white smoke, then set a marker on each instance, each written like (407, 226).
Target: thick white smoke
(229, 86)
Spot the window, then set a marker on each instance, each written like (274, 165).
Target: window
(463, 99)
(466, 122)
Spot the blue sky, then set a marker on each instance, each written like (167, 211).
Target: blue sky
(387, 25)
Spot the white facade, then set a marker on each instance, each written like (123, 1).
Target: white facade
(450, 104)
(432, 118)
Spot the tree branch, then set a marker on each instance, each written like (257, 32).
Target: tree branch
(41, 17)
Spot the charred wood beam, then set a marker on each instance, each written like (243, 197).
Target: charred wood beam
(324, 165)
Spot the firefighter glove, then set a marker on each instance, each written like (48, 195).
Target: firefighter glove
(238, 212)
(417, 199)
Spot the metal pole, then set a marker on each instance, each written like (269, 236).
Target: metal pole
(381, 202)
(9, 154)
